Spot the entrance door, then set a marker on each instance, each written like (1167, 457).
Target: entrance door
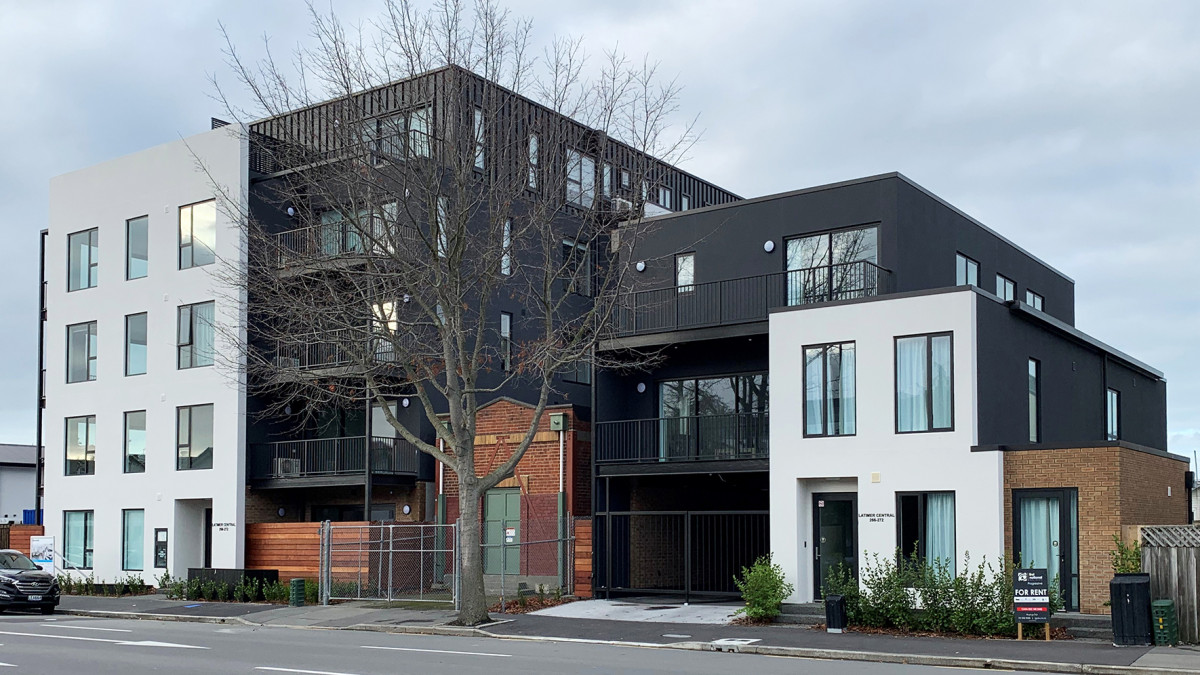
(1045, 535)
(502, 531)
(835, 534)
(208, 537)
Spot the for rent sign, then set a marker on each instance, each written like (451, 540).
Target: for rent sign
(1031, 596)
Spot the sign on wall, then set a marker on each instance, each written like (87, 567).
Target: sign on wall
(1031, 596)
(160, 548)
(41, 552)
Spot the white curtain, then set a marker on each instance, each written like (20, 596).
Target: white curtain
(942, 404)
(203, 319)
(814, 381)
(74, 531)
(847, 384)
(134, 537)
(911, 411)
(939, 528)
(1039, 534)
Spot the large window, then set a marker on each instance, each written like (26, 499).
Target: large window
(924, 376)
(713, 418)
(505, 341)
(1035, 410)
(194, 431)
(1005, 288)
(83, 259)
(133, 539)
(197, 234)
(413, 125)
(420, 143)
(135, 441)
(196, 339)
(966, 271)
(1112, 415)
(137, 247)
(925, 527)
(581, 179)
(135, 344)
(829, 390)
(577, 267)
(81, 446)
(77, 538)
(832, 266)
(81, 352)
(1033, 300)
(685, 272)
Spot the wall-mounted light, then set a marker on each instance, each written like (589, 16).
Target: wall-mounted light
(641, 387)
(281, 512)
(407, 298)
(404, 402)
(291, 212)
(640, 266)
(287, 410)
(407, 509)
(768, 246)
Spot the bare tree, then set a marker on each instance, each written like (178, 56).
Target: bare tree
(430, 168)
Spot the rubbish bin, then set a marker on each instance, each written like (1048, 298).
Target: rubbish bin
(835, 613)
(1166, 624)
(1130, 598)
(296, 597)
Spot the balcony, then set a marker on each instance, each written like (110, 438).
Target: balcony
(691, 439)
(331, 461)
(330, 349)
(745, 300)
(340, 239)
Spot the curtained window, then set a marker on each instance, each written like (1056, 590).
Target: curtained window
(197, 335)
(77, 538)
(829, 401)
(925, 527)
(133, 539)
(924, 383)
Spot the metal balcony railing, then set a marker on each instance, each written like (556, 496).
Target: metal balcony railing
(330, 349)
(747, 299)
(341, 238)
(683, 439)
(332, 457)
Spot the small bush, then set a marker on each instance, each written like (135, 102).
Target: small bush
(763, 589)
(311, 592)
(275, 592)
(135, 585)
(1125, 559)
(164, 582)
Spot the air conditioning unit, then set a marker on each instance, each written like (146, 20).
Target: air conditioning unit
(621, 204)
(287, 466)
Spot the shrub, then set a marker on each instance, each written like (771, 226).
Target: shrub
(223, 591)
(250, 589)
(311, 592)
(840, 581)
(194, 589)
(275, 591)
(135, 584)
(763, 589)
(1126, 559)
(164, 582)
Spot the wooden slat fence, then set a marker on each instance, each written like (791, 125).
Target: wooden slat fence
(583, 557)
(1171, 555)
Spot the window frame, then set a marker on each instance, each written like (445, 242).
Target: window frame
(191, 245)
(505, 331)
(89, 442)
(577, 179)
(824, 347)
(191, 339)
(532, 181)
(685, 201)
(125, 465)
(125, 541)
(93, 265)
(1034, 382)
(578, 275)
(146, 344)
(1035, 300)
(1008, 284)
(969, 265)
(1112, 414)
(928, 382)
(89, 532)
(922, 499)
(128, 251)
(92, 356)
(691, 285)
(506, 258)
(191, 427)
(479, 133)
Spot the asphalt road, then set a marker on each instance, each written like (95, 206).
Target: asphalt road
(78, 645)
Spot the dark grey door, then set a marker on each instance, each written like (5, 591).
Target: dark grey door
(835, 534)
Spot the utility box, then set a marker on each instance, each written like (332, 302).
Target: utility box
(296, 595)
(558, 421)
(1130, 596)
(1166, 624)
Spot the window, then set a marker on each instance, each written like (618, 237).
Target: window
(479, 139)
(924, 388)
(135, 441)
(506, 244)
(1112, 415)
(135, 344)
(580, 371)
(81, 352)
(581, 179)
(664, 197)
(196, 335)
(533, 161)
(197, 234)
(966, 271)
(443, 226)
(83, 259)
(505, 341)
(685, 202)
(832, 266)
(1005, 288)
(419, 134)
(1035, 411)
(606, 176)
(1033, 300)
(829, 390)
(577, 270)
(925, 527)
(137, 247)
(133, 539)
(81, 446)
(685, 272)
(77, 538)
(625, 179)
(194, 433)
(718, 417)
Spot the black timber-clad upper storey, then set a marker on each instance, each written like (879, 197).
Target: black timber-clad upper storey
(919, 236)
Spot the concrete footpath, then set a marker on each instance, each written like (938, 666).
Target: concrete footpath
(1065, 656)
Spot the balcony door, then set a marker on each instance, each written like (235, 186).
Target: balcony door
(713, 418)
(832, 265)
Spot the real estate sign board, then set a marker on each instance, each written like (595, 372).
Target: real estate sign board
(41, 552)
(1031, 596)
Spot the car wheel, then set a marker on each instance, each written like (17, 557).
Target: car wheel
(47, 609)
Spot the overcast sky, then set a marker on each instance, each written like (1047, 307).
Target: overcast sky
(1070, 128)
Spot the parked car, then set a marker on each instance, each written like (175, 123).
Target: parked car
(25, 585)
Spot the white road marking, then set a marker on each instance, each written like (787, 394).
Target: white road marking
(7, 665)
(293, 670)
(109, 630)
(140, 643)
(434, 651)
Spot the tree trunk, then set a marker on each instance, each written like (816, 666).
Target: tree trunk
(473, 597)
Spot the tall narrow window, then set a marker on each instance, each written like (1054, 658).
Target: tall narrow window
(197, 234)
(580, 371)
(197, 333)
(581, 179)
(685, 202)
(606, 180)
(685, 272)
(829, 376)
(443, 226)
(1035, 411)
(81, 352)
(133, 539)
(479, 139)
(966, 271)
(1033, 300)
(664, 197)
(577, 267)
(81, 446)
(135, 344)
(1005, 288)
(77, 538)
(533, 161)
(135, 441)
(625, 179)
(419, 135)
(137, 247)
(505, 341)
(194, 433)
(925, 527)
(506, 243)
(1112, 415)
(924, 389)
(83, 259)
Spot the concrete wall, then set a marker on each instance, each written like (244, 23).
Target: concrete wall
(155, 182)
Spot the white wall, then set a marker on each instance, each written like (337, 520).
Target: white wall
(905, 462)
(155, 182)
(17, 492)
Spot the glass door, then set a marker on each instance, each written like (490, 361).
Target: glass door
(1045, 532)
(835, 535)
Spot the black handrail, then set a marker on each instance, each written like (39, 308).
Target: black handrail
(681, 439)
(332, 457)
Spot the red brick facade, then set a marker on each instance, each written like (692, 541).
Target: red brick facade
(1118, 486)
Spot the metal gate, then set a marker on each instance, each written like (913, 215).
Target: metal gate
(411, 562)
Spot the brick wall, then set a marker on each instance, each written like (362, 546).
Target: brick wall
(1117, 486)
